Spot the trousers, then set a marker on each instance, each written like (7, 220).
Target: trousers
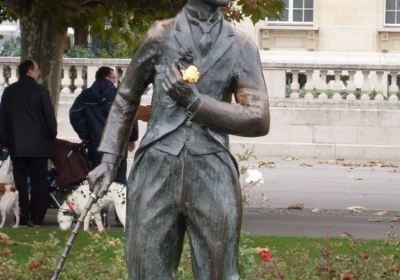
(169, 196)
(34, 208)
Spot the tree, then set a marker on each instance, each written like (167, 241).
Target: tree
(44, 24)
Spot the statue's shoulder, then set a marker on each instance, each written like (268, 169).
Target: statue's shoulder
(159, 29)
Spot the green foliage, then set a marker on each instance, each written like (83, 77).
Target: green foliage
(260, 9)
(246, 154)
(128, 19)
(78, 51)
(11, 47)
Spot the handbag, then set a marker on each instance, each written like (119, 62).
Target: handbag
(71, 163)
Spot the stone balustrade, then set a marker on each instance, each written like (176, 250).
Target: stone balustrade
(77, 73)
(284, 80)
(336, 81)
(327, 107)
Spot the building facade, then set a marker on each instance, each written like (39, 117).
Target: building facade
(332, 26)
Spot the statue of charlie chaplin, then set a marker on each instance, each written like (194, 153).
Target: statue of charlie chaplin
(184, 178)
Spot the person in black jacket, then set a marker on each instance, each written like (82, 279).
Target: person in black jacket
(89, 113)
(28, 127)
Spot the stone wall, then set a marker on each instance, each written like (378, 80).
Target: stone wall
(300, 128)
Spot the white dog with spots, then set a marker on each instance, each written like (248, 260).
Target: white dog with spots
(75, 203)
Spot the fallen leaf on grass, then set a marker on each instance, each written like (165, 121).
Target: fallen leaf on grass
(96, 236)
(5, 239)
(356, 209)
(297, 206)
(6, 252)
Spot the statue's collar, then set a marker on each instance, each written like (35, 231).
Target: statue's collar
(182, 34)
(195, 14)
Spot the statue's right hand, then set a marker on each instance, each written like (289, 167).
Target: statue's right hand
(101, 178)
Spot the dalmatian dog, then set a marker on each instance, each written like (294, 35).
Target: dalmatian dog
(9, 203)
(75, 203)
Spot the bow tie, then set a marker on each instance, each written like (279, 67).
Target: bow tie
(205, 26)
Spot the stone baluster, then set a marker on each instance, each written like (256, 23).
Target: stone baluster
(337, 86)
(66, 81)
(309, 86)
(322, 85)
(393, 88)
(79, 82)
(366, 85)
(351, 86)
(331, 85)
(91, 74)
(13, 75)
(379, 86)
(295, 86)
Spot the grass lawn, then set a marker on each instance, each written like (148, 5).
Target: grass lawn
(25, 236)
(89, 246)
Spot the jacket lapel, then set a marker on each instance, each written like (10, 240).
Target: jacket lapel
(222, 45)
(183, 36)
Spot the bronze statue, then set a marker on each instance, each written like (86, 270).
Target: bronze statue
(184, 178)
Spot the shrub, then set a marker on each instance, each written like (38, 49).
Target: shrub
(11, 47)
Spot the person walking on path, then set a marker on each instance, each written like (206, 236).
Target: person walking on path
(28, 127)
(89, 113)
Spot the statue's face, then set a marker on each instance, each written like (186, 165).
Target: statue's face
(219, 3)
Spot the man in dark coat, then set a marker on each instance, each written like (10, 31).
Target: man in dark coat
(89, 113)
(28, 128)
(184, 178)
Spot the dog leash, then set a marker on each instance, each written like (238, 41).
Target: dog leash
(71, 208)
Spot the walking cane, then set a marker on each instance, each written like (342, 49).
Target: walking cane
(61, 260)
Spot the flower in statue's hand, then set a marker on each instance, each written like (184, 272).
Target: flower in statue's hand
(191, 74)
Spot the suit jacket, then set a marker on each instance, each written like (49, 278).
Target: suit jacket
(232, 69)
(28, 125)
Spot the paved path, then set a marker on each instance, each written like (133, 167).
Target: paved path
(332, 188)
(326, 223)
(329, 186)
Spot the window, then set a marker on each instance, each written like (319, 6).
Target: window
(392, 13)
(298, 12)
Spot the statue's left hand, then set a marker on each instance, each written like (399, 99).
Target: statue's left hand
(101, 178)
(179, 90)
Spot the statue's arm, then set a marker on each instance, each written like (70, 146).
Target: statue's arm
(250, 115)
(138, 76)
